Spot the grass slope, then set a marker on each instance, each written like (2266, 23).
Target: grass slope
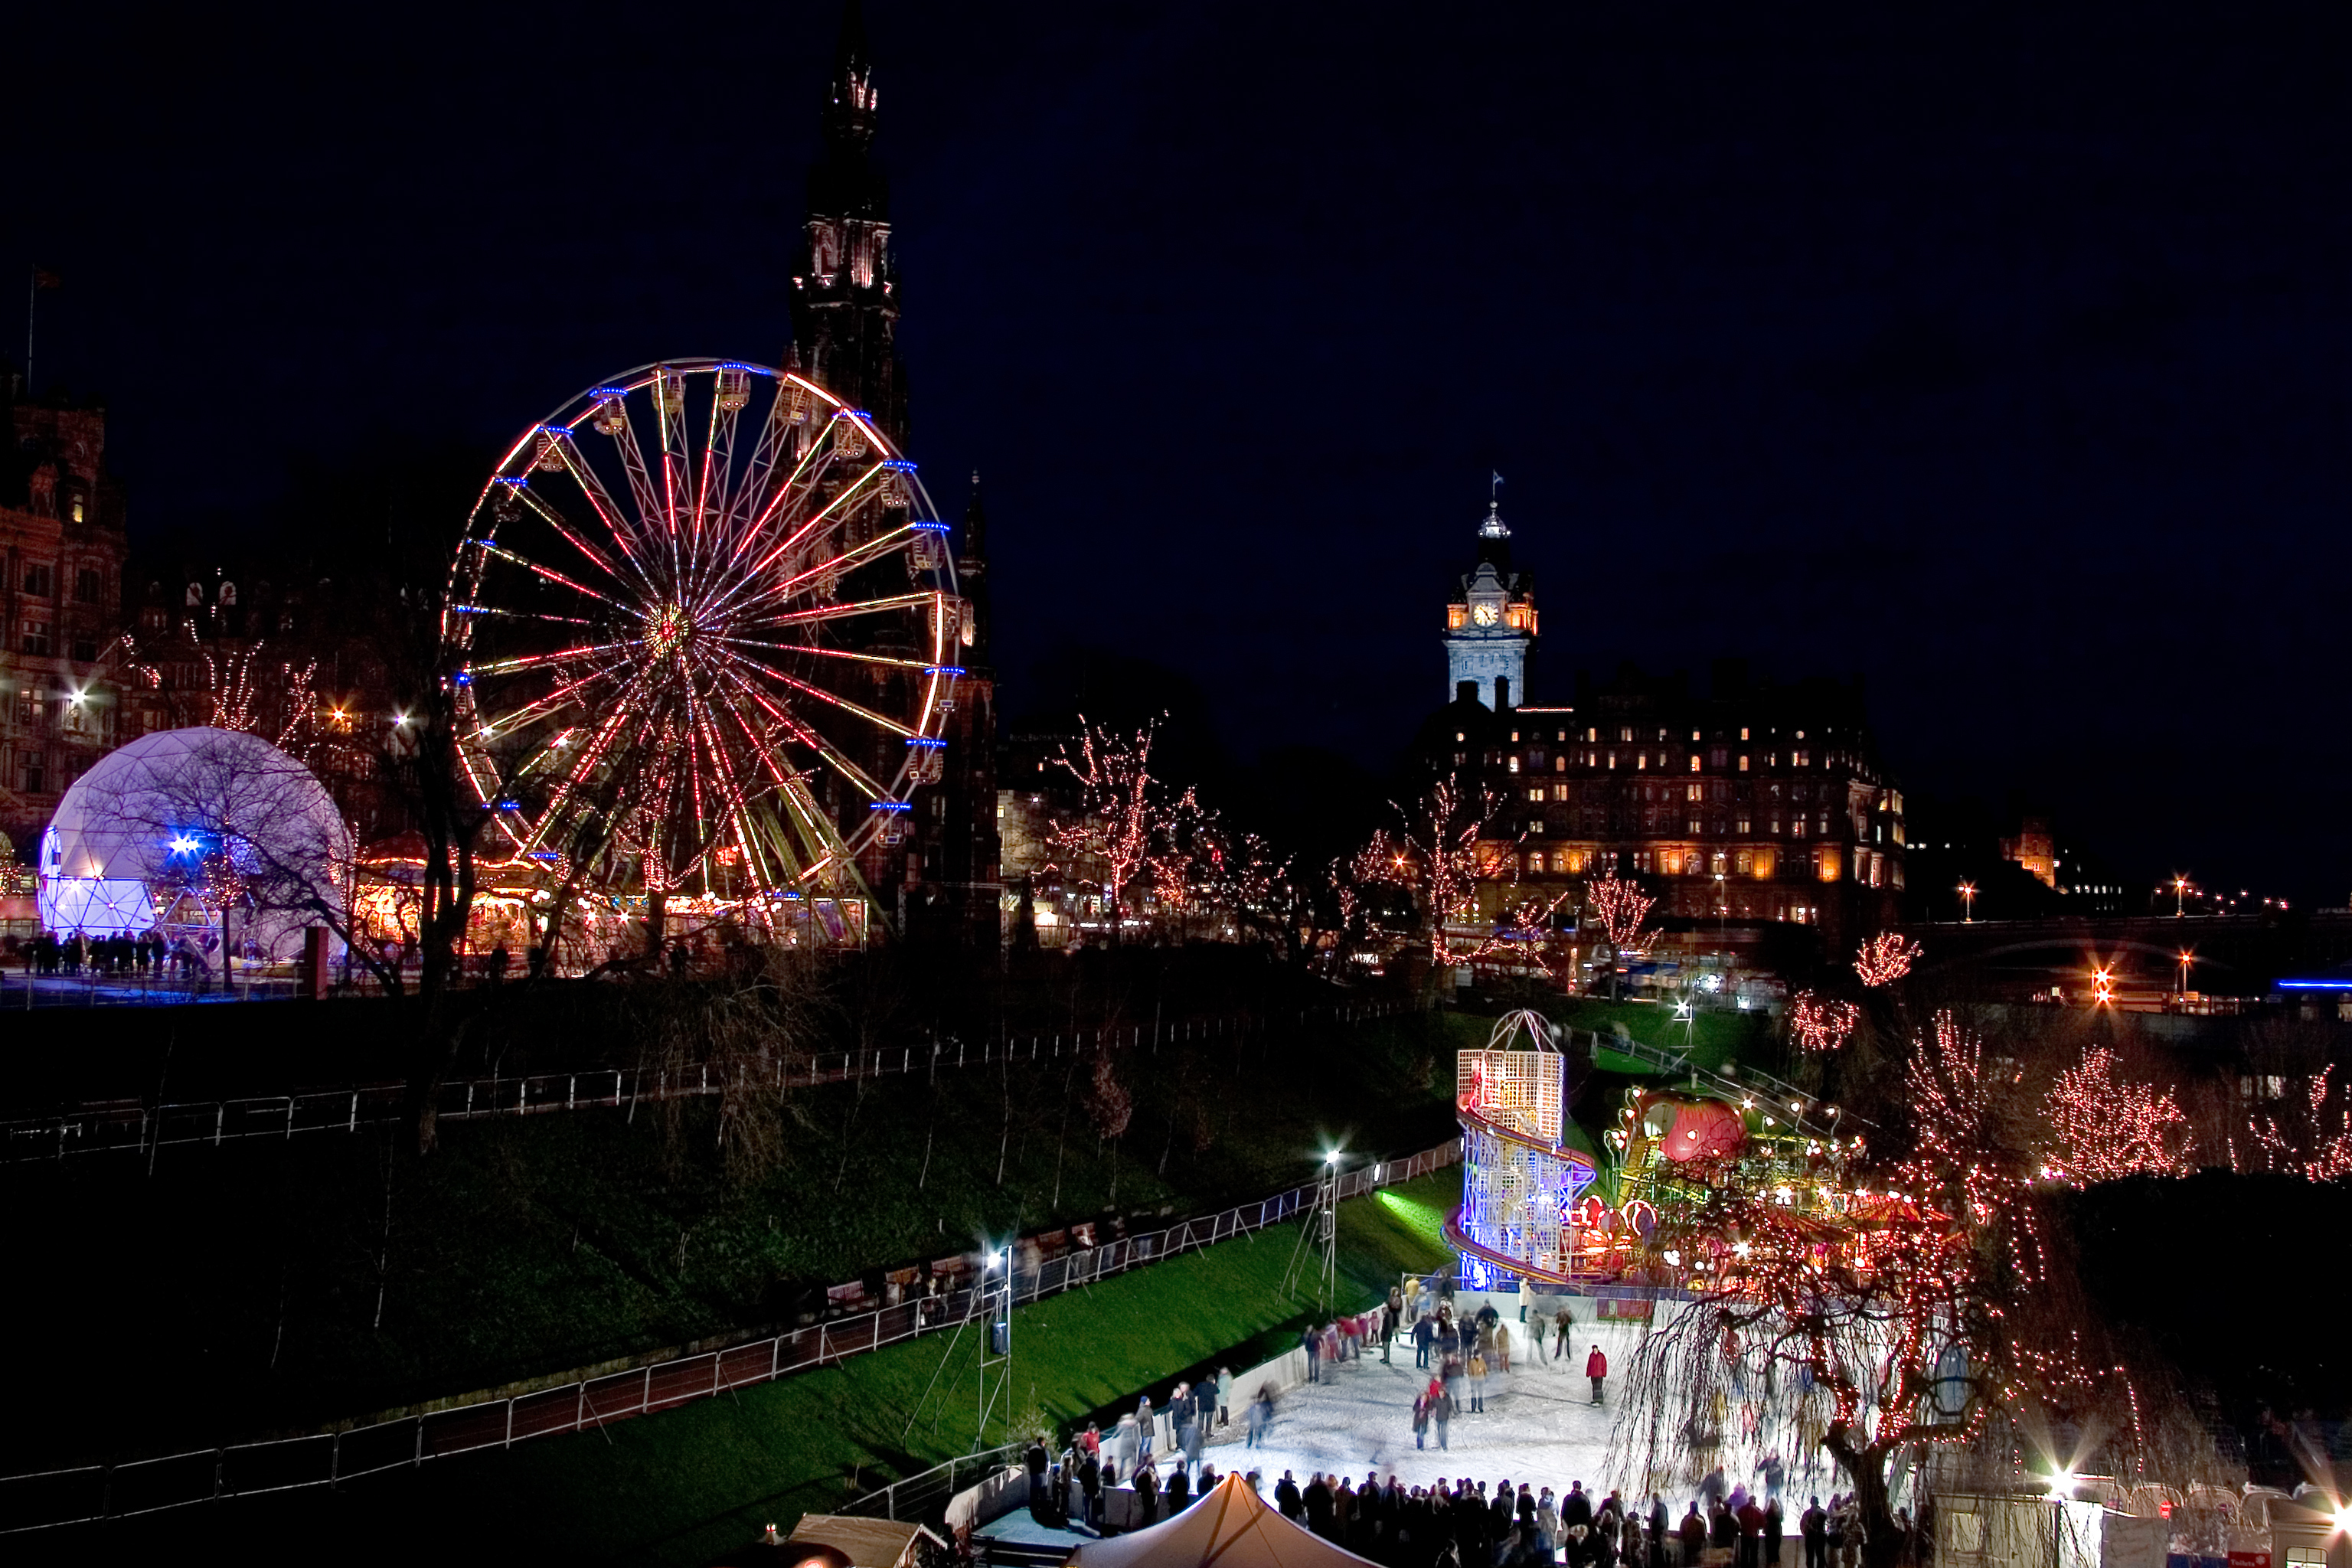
(685, 1487)
(543, 1244)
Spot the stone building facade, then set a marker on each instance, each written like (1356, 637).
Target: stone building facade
(62, 548)
(1752, 802)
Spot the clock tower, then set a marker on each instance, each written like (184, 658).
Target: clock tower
(1490, 624)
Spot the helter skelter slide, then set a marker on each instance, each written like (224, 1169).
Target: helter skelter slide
(1521, 1183)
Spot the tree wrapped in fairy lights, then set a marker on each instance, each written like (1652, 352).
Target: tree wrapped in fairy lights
(1439, 859)
(1125, 817)
(2310, 1137)
(2104, 1125)
(1934, 1308)
(1821, 1023)
(1620, 906)
(1885, 959)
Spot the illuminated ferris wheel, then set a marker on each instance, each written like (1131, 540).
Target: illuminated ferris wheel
(703, 628)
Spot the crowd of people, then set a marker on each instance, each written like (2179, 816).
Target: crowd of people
(1159, 1453)
(1071, 1487)
(1461, 1524)
(48, 954)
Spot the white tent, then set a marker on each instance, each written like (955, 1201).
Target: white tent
(174, 813)
(1231, 1527)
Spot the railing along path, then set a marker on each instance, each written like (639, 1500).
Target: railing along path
(140, 1126)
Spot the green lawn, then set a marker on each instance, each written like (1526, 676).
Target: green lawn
(1713, 1038)
(682, 1487)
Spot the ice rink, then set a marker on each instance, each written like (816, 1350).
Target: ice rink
(1539, 1425)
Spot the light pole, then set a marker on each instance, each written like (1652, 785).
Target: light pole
(2180, 895)
(1321, 1232)
(995, 1304)
(1967, 902)
(1722, 911)
(2187, 958)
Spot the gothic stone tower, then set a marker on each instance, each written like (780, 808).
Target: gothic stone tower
(1490, 624)
(845, 287)
(941, 881)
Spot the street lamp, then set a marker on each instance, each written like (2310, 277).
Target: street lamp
(2187, 958)
(1967, 902)
(2180, 893)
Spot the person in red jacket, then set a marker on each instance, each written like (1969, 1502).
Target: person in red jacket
(1596, 1367)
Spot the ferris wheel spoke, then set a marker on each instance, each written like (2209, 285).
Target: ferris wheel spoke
(817, 742)
(505, 552)
(496, 614)
(788, 411)
(792, 541)
(554, 816)
(818, 836)
(851, 655)
(641, 485)
(842, 564)
(843, 703)
(533, 711)
(540, 660)
(810, 460)
(548, 513)
(839, 564)
(610, 513)
(842, 611)
(718, 464)
(676, 461)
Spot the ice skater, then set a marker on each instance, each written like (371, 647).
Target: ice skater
(1596, 1367)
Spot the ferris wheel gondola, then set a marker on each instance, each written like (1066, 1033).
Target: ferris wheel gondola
(702, 631)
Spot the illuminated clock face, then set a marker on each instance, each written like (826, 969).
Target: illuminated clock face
(1486, 614)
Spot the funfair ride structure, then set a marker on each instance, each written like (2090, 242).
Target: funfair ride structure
(1522, 1186)
(1533, 1207)
(703, 629)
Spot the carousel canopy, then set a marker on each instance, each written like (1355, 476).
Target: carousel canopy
(184, 811)
(1231, 1527)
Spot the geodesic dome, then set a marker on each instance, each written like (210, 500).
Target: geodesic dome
(177, 826)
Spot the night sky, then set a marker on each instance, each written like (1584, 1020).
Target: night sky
(1997, 355)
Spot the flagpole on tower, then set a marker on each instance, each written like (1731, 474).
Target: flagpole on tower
(41, 279)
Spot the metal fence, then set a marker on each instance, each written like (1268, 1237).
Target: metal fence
(131, 1125)
(87, 1493)
(20, 991)
(925, 1495)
